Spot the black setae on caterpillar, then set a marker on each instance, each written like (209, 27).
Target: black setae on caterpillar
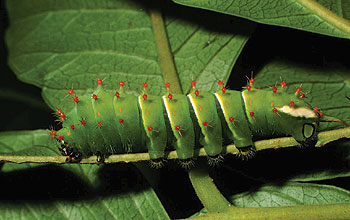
(105, 123)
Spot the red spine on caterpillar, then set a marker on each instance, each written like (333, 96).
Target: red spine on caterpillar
(60, 138)
(99, 82)
(75, 99)
(99, 124)
(302, 95)
(53, 134)
(121, 84)
(170, 96)
(71, 92)
(193, 84)
(196, 92)
(61, 114)
(72, 127)
(274, 89)
(321, 114)
(223, 89)
(249, 87)
(62, 118)
(94, 97)
(291, 104)
(283, 84)
(145, 97)
(205, 123)
(274, 110)
(121, 121)
(297, 91)
(251, 114)
(167, 85)
(83, 122)
(251, 81)
(117, 94)
(144, 86)
(221, 83)
(231, 119)
(150, 128)
(177, 128)
(315, 109)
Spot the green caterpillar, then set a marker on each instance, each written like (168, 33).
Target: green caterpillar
(106, 123)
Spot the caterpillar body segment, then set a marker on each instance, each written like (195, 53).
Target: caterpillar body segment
(154, 125)
(128, 122)
(102, 105)
(177, 110)
(235, 117)
(208, 120)
(106, 123)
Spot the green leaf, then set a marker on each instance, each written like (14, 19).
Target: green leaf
(89, 183)
(323, 16)
(322, 175)
(56, 192)
(63, 46)
(26, 143)
(299, 195)
(20, 140)
(291, 194)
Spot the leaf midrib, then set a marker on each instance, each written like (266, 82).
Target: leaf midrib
(326, 15)
(166, 61)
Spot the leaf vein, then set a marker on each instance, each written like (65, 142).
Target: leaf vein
(175, 51)
(81, 10)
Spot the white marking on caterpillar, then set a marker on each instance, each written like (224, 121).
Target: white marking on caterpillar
(298, 112)
(192, 103)
(218, 97)
(167, 108)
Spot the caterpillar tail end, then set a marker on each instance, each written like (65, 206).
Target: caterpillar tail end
(308, 143)
(100, 158)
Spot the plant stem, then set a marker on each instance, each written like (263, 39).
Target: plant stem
(309, 212)
(206, 190)
(165, 56)
(325, 137)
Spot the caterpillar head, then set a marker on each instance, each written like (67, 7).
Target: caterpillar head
(73, 155)
(303, 123)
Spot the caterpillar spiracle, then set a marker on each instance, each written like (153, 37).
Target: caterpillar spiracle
(105, 123)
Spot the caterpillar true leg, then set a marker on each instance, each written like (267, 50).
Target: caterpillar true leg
(100, 158)
(73, 155)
